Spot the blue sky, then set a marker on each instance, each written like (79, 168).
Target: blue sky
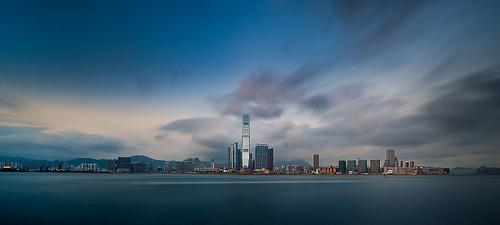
(170, 79)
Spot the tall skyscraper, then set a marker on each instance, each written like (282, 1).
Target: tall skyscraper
(270, 159)
(391, 158)
(316, 161)
(261, 156)
(351, 165)
(342, 167)
(233, 154)
(374, 166)
(363, 166)
(245, 142)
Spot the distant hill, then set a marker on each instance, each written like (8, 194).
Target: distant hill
(13, 159)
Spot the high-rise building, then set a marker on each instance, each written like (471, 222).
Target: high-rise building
(261, 156)
(391, 158)
(342, 167)
(374, 166)
(362, 166)
(111, 165)
(213, 166)
(351, 166)
(234, 156)
(316, 161)
(270, 159)
(124, 164)
(251, 164)
(245, 142)
(264, 157)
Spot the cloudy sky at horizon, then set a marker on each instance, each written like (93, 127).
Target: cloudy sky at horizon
(170, 79)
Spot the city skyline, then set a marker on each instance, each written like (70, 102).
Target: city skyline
(172, 79)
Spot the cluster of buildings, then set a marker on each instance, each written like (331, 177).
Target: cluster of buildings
(242, 160)
(190, 165)
(360, 166)
(391, 166)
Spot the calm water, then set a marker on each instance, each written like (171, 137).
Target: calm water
(48, 198)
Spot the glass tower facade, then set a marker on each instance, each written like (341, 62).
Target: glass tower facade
(261, 156)
(391, 158)
(351, 165)
(342, 166)
(363, 166)
(316, 161)
(374, 166)
(234, 156)
(245, 142)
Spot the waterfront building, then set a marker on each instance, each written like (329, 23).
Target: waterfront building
(124, 164)
(362, 166)
(342, 167)
(184, 166)
(328, 170)
(139, 167)
(261, 156)
(316, 161)
(407, 167)
(111, 165)
(391, 158)
(270, 159)
(245, 142)
(264, 157)
(234, 156)
(351, 166)
(251, 164)
(374, 166)
(407, 164)
(391, 164)
(87, 167)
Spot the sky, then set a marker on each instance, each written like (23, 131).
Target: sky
(171, 79)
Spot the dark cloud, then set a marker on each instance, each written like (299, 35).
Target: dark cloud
(468, 106)
(191, 125)
(38, 142)
(317, 102)
(265, 94)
